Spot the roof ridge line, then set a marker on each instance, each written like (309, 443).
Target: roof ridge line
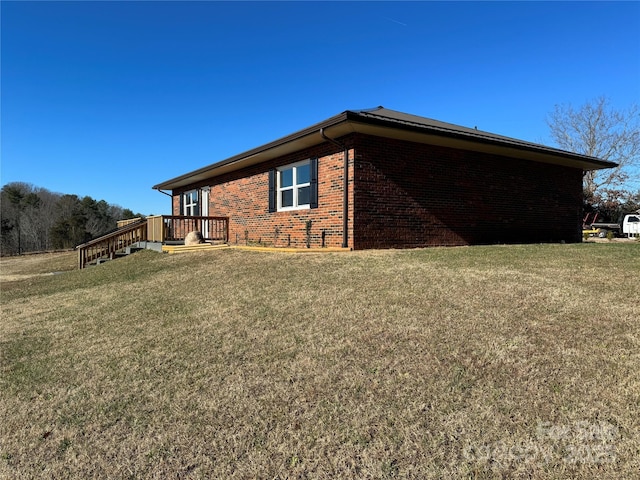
(367, 110)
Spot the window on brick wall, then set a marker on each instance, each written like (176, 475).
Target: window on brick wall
(294, 187)
(189, 204)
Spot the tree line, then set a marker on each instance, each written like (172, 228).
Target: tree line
(36, 219)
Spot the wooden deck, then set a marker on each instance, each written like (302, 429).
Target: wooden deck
(162, 229)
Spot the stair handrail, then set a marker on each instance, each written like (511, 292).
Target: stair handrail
(107, 248)
(112, 233)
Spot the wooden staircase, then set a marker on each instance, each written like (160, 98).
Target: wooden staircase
(111, 245)
(158, 230)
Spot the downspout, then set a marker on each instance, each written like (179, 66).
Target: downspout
(345, 190)
(168, 195)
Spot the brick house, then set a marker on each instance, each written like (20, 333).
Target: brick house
(384, 179)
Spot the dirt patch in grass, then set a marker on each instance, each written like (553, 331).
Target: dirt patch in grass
(484, 362)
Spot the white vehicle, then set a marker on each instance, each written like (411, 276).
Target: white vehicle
(631, 225)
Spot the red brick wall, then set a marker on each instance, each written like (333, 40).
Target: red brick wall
(412, 195)
(406, 195)
(243, 196)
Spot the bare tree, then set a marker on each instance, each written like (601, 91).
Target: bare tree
(598, 130)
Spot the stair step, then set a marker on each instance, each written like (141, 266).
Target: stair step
(171, 249)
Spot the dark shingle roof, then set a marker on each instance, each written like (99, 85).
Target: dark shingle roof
(408, 121)
(391, 123)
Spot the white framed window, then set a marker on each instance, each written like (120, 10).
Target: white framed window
(294, 186)
(190, 203)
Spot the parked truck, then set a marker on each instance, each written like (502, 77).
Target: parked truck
(630, 227)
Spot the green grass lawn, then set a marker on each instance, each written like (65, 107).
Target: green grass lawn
(482, 362)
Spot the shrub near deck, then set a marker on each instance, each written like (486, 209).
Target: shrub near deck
(487, 362)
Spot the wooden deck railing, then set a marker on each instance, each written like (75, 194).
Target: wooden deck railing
(107, 245)
(159, 228)
(174, 228)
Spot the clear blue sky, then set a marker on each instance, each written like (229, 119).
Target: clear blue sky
(109, 98)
